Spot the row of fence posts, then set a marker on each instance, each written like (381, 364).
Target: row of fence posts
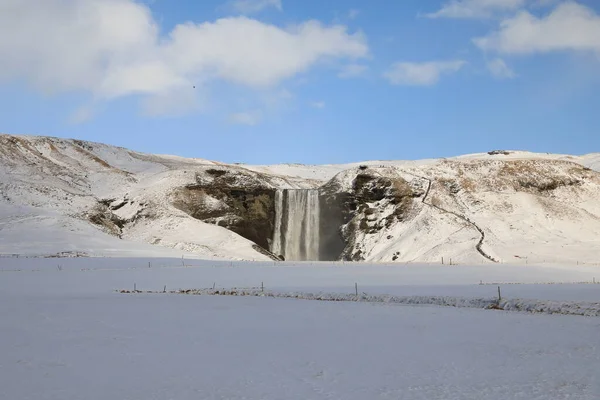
(262, 287)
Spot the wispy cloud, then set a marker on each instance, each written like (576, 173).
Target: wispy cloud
(475, 8)
(421, 74)
(499, 69)
(81, 115)
(352, 70)
(253, 6)
(353, 14)
(249, 118)
(174, 103)
(318, 104)
(570, 26)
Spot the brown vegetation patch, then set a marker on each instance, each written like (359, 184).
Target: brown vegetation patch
(436, 201)
(468, 184)
(95, 158)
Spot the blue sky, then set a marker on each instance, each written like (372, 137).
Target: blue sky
(308, 81)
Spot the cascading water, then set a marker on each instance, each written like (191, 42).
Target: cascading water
(296, 234)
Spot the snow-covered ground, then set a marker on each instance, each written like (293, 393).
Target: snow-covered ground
(34, 231)
(66, 334)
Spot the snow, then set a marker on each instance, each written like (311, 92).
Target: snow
(327, 171)
(591, 161)
(192, 236)
(48, 186)
(31, 231)
(60, 181)
(588, 309)
(253, 349)
(67, 335)
(528, 227)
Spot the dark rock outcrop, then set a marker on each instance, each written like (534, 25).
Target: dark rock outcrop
(238, 201)
(349, 211)
(103, 217)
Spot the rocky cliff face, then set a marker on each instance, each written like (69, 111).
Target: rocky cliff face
(238, 201)
(364, 201)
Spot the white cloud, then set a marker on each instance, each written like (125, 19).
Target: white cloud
(545, 3)
(113, 48)
(318, 104)
(272, 100)
(174, 103)
(249, 118)
(81, 115)
(421, 74)
(476, 8)
(254, 6)
(248, 52)
(352, 70)
(72, 45)
(353, 13)
(570, 26)
(499, 69)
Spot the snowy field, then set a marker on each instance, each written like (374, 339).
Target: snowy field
(66, 334)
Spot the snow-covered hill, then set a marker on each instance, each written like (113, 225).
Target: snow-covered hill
(54, 189)
(74, 197)
(527, 209)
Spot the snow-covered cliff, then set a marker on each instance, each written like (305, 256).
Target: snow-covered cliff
(74, 197)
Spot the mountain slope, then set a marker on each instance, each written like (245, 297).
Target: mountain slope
(480, 210)
(60, 195)
(69, 183)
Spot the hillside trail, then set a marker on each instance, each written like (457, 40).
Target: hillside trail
(479, 245)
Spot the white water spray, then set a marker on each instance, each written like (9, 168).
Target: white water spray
(296, 234)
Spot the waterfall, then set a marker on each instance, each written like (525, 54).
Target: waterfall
(296, 234)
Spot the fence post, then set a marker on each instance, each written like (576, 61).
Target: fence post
(356, 288)
(499, 295)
